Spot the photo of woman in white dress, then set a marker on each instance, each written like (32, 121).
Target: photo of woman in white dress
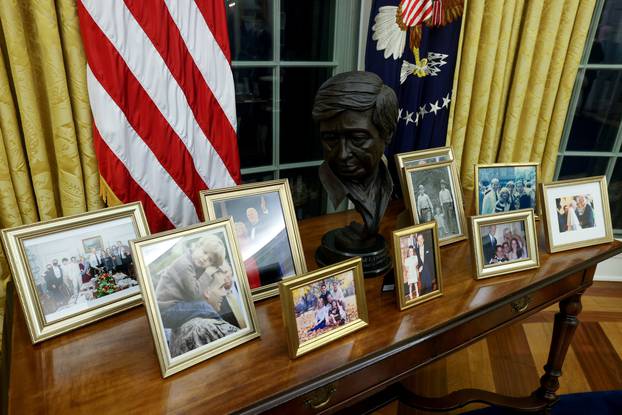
(411, 271)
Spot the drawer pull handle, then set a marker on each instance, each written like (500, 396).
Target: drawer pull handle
(320, 397)
(521, 304)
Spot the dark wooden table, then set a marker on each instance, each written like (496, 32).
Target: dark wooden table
(111, 366)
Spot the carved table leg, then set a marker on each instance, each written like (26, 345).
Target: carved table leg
(566, 323)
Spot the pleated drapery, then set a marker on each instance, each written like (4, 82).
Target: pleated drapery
(519, 60)
(47, 161)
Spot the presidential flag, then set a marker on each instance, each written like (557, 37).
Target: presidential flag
(161, 92)
(412, 45)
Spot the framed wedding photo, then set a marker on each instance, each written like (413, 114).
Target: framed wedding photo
(75, 270)
(419, 158)
(506, 187)
(434, 194)
(323, 306)
(417, 265)
(576, 213)
(266, 228)
(196, 293)
(504, 243)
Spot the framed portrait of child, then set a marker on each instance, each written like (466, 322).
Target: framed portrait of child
(196, 293)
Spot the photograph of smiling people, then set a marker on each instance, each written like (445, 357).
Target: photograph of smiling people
(197, 296)
(266, 228)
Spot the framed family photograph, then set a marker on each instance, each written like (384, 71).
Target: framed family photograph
(434, 194)
(196, 293)
(266, 228)
(417, 264)
(419, 158)
(62, 281)
(576, 213)
(504, 243)
(323, 305)
(507, 187)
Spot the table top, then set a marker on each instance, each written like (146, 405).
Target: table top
(111, 366)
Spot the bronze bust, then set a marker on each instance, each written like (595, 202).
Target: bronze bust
(357, 115)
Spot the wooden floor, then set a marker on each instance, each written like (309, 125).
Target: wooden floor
(510, 361)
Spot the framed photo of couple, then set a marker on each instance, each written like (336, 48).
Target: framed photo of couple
(576, 213)
(267, 231)
(323, 306)
(434, 194)
(417, 264)
(196, 293)
(504, 243)
(507, 187)
(72, 271)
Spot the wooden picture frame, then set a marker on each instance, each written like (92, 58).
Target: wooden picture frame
(264, 274)
(451, 220)
(530, 189)
(491, 233)
(59, 286)
(419, 158)
(323, 324)
(408, 276)
(585, 225)
(194, 288)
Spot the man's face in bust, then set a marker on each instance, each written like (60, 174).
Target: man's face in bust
(352, 144)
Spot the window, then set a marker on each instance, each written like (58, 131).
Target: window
(592, 140)
(282, 51)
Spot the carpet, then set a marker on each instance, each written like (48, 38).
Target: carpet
(589, 403)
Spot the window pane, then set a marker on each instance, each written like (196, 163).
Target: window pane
(299, 136)
(598, 113)
(615, 195)
(257, 177)
(607, 46)
(307, 30)
(575, 167)
(307, 191)
(253, 96)
(250, 29)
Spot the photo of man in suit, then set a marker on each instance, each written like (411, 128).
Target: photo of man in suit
(489, 243)
(427, 270)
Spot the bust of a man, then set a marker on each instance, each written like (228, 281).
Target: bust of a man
(357, 115)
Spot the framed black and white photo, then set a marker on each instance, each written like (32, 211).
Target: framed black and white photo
(75, 270)
(577, 213)
(196, 293)
(267, 231)
(506, 187)
(434, 194)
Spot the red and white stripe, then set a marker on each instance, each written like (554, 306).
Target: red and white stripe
(161, 91)
(415, 11)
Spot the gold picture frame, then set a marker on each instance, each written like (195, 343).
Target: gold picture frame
(419, 158)
(459, 221)
(210, 199)
(595, 231)
(55, 297)
(399, 259)
(346, 272)
(160, 257)
(520, 258)
(537, 200)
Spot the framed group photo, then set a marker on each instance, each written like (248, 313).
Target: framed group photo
(196, 293)
(323, 306)
(419, 158)
(504, 243)
(434, 194)
(266, 228)
(507, 187)
(417, 264)
(72, 271)
(577, 213)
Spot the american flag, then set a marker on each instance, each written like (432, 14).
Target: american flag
(161, 91)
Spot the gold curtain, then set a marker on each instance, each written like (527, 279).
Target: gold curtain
(519, 60)
(47, 161)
